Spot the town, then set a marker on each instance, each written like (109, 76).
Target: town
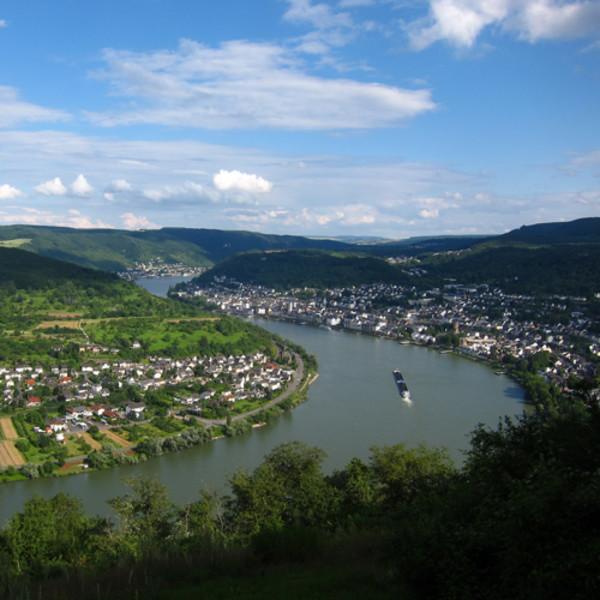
(474, 320)
(158, 268)
(107, 402)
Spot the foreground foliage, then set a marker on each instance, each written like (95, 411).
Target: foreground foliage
(518, 520)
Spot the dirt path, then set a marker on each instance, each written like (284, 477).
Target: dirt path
(8, 429)
(9, 455)
(118, 439)
(95, 444)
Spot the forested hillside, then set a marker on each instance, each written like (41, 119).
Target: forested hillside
(106, 249)
(296, 268)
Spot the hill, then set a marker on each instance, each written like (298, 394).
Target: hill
(219, 244)
(566, 269)
(303, 268)
(32, 285)
(571, 232)
(115, 250)
(106, 249)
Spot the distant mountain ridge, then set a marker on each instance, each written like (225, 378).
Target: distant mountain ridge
(114, 250)
(585, 230)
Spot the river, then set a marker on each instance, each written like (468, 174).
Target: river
(352, 406)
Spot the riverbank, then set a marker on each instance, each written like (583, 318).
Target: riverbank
(117, 450)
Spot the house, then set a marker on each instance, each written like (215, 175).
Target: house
(56, 426)
(135, 410)
(33, 401)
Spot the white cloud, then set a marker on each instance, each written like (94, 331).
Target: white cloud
(319, 15)
(81, 186)
(322, 194)
(187, 190)
(247, 85)
(34, 216)
(132, 221)
(120, 185)
(3, 23)
(52, 187)
(460, 22)
(13, 110)
(429, 213)
(245, 182)
(9, 192)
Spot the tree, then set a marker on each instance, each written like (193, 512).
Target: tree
(146, 517)
(288, 488)
(47, 535)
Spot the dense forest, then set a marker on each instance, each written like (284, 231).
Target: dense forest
(518, 520)
(570, 269)
(300, 268)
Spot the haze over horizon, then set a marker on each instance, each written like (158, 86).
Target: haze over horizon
(320, 118)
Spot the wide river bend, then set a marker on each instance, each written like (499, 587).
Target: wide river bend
(352, 406)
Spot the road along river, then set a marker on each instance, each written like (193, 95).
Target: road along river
(352, 406)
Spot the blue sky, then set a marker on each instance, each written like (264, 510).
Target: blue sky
(346, 117)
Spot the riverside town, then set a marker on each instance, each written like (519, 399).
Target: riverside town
(555, 336)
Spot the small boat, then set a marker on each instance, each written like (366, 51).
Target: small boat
(402, 387)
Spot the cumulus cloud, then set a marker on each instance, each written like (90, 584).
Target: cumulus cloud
(243, 182)
(13, 110)
(9, 192)
(247, 85)
(120, 185)
(429, 213)
(52, 187)
(337, 195)
(460, 22)
(132, 221)
(81, 186)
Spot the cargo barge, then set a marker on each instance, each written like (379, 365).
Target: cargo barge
(401, 385)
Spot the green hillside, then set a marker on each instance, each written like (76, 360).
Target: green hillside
(572, 269)
(578, 231)
(219, 244)
(114, 250)
(32, 285)
(106, 249)
(304, 268)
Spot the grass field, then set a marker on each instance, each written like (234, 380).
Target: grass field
(17, 243)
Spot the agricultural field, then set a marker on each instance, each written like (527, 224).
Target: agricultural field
(7, 429)
(16, 243)
(9, 455)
